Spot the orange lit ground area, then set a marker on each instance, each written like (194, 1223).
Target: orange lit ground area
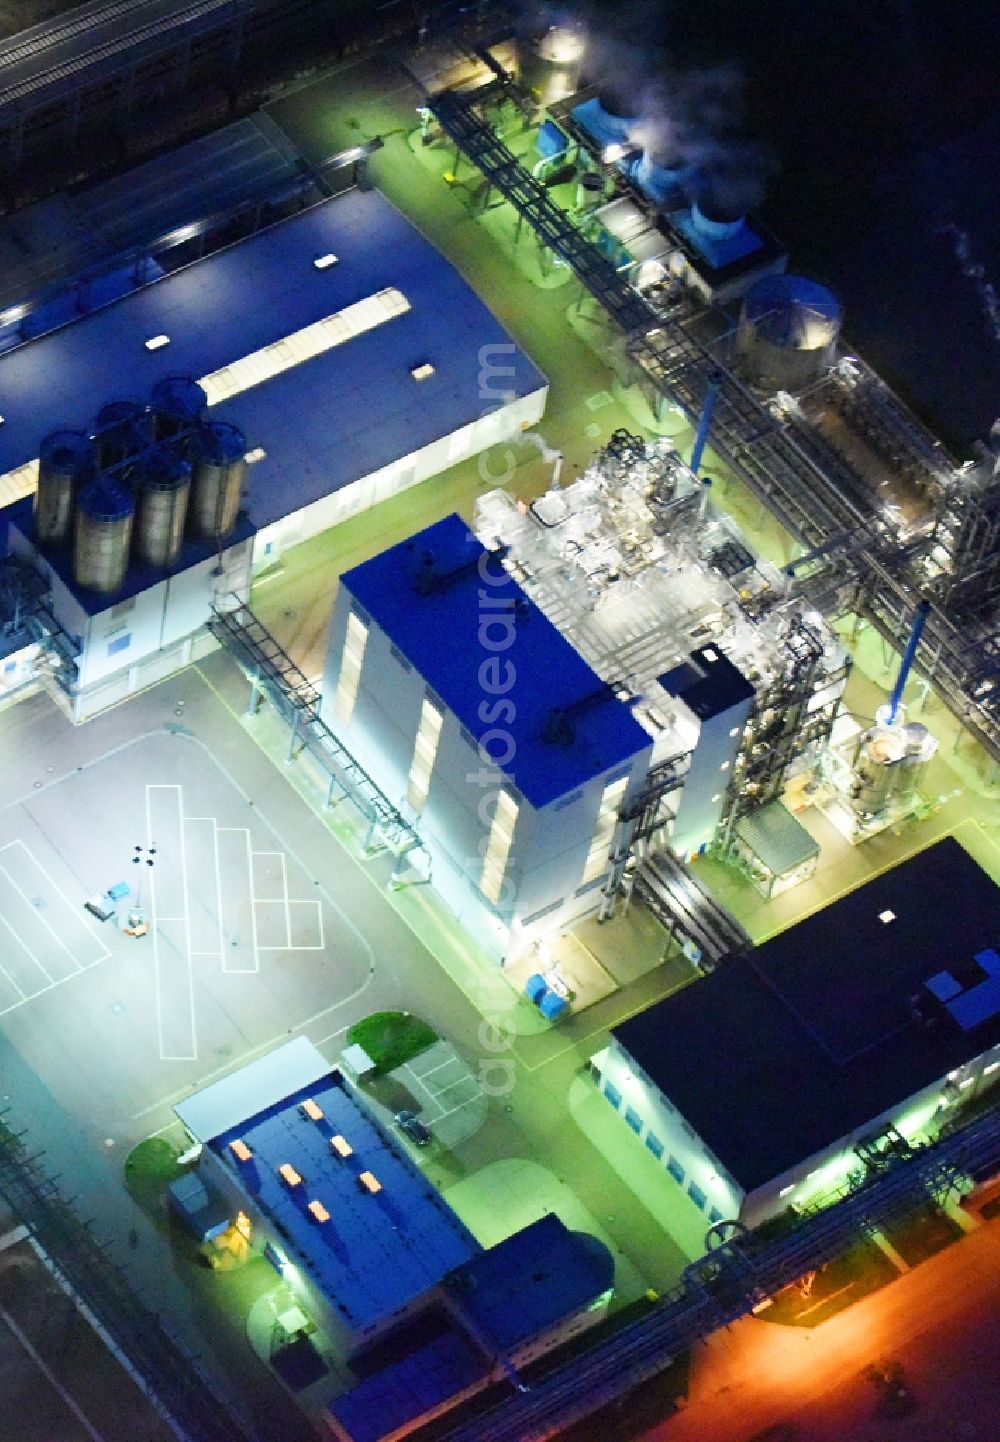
(933, 1332)
(59, 1379)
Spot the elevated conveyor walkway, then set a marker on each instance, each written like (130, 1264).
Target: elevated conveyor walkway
(275, 675)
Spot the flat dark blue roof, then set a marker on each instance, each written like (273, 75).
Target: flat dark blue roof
(528, 1283)
(708, 683)
(324, 423)
(779, 1053)
(436, 622)
(409, 1388)
(376, 1252)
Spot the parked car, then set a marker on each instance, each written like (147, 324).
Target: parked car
(413, 1127)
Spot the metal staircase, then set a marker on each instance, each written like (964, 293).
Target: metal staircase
(274, 674)
(26, 615)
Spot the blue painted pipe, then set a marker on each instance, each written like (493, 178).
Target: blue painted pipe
(711, 396)
(916, 630)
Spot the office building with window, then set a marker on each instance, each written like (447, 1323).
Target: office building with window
(779, 1079)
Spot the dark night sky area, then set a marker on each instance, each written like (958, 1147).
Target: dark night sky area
(885, 119)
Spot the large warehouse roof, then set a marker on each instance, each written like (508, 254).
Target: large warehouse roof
(565, 726)
(322, 423)
(782, 1052)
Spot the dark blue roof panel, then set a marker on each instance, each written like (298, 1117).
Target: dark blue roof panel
(408, 1389)
(823, 1013)
(529, 1283)
(323, 423)
(438, 629)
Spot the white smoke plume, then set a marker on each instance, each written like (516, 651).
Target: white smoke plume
(690, 118)
(989, 297)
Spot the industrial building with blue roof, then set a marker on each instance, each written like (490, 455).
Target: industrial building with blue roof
(425, 594)
(384, 1242)
(454, 689)
(343, 350)
(883, 1007)
(323, 424)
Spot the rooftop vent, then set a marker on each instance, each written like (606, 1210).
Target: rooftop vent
(289, 1175)
(341, 1146)
(310, 1110)
(240, 1150)
(971, 998)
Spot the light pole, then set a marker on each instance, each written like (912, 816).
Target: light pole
(141, 854)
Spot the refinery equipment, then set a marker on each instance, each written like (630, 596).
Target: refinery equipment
(177, 403)
(65, 460)
(848, 471)
(788, 332)
(218, 452)
(121, 430)
(147, 477)
(549, 64)
(163, 483)
(105, 511)
(665, 601)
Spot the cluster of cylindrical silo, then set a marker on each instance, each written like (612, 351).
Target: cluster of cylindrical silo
(141, 480)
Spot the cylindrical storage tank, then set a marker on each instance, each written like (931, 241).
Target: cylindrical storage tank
(163, 484)
(788, 332)
(120, 430)
(103, 530)
(64, 461)
(178, 402)
(877, 769)
(218, 452)
(549, 64)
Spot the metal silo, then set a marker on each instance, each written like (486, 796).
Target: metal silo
(103, 530)
(163, 483)
(549, 64)
(218, 452)
(178, 403)
(120, 430)
(788, 332)
(64, 461)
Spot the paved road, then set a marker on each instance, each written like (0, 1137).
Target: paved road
(941, 1322)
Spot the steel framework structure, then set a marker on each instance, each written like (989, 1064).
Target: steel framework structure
(806, 484)
(169, 1374)
(727, 1283)
(275, 675)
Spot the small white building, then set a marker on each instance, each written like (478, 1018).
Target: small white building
(763, 1085)
(483, 723)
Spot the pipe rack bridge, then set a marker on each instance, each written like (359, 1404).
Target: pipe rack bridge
(805, 484)
(686, 908)
(726, 1284)
(275, 675)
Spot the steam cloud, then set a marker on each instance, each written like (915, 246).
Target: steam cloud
(988, 295)
(688, 118)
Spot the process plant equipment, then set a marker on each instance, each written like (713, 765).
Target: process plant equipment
(121, 430)
(788, 332)
(177, 403)
(104, 514)
(218, 456)
(64, 462)
(549, 64)
(163, 484)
